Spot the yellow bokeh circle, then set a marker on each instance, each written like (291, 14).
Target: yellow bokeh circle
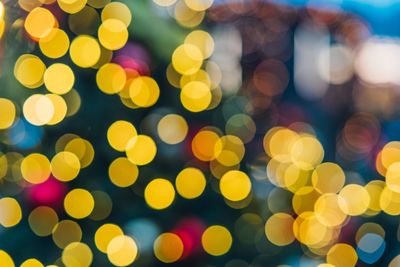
(7, 113)
(38, 109)
(78, 203)
(342, 255)
(279, 229)
(307, 152)
(328, 178)
(119, 133)
(168, 247)
(55, 44)
(60, 108)
(327, 210)
(187, 59)
(111, 78)
(85, 51)
(113, 34)
(354, 199)
(29, 71)
(98, 3)
(393, 176)
(235, 185)
(105, 234)
(77, 254)
(32, 263)
(72, 6)
(216, 240)
(59, 78)
(122, 250)
(202, 40)
(117, 10)
(159, 194)
(35, 168)
(190, 183)
(229, 150)
(144, 91)
(141, 149)
(39, 22)
(199, 5)
(122, 172)
(203, 145)
(10, 212)
(196, 96)
(83, 149)
(65, 166)
(6, 259)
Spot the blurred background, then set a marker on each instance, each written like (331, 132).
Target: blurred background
(199, 133)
